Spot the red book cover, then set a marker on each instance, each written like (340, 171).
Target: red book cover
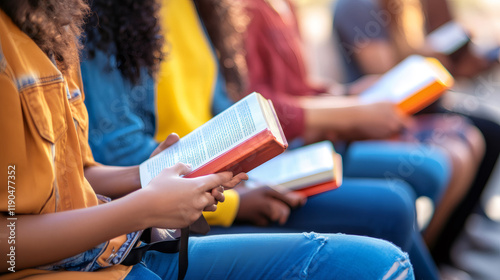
(239, 139)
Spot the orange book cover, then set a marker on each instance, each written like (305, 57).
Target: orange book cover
(308, 170)
(413, 84)
(239, 139)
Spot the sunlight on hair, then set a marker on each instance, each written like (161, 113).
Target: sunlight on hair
(315, 24)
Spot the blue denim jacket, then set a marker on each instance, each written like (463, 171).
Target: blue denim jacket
(121, 115)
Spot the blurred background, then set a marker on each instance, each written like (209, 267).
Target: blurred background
(477, 252)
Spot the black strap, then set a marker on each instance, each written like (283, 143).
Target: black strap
(183, 253)
(136, 254)
(169, 246)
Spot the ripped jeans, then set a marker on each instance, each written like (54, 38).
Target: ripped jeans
(281, 256)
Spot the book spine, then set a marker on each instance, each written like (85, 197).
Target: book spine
(424, 98)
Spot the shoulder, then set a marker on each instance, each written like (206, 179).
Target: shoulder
(354, 9)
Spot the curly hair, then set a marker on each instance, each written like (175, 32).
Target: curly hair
(54, 25)
(226, 21)
(129, 30)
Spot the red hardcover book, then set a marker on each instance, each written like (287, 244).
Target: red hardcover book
(239, 139)
(308, 170)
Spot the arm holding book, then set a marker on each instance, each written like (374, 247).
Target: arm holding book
(347, 119)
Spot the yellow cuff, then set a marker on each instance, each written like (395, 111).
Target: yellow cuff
(226, 211)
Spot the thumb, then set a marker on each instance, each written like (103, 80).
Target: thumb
(181, 168)
(169, 141)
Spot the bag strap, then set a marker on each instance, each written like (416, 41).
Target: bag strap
(169, 246)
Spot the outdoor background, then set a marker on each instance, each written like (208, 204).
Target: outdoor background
(479, 248)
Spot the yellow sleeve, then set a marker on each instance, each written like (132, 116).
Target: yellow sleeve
(226, 211)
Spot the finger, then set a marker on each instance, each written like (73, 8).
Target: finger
(218, 194)
(284, 216)
(169, 141)
(291, 199)
(297, 199)
(278, 211)
(181, 168)
(211, 181)
(211, 208)
(235, 181)
(261, 220)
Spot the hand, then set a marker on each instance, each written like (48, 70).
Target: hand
(176, 202)
(469, 65)
(380, 120)
(362, 84)
(263, 205)
(169, 141)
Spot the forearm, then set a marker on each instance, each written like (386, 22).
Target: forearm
(334, 114)
(43, 239)
(113, 181)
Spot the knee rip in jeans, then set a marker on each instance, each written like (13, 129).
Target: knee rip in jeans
(398, 271)
(322, 241)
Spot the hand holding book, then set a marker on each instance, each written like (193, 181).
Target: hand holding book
(238, 139)
(413, 84)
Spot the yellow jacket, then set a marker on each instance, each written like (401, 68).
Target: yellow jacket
(44, 140)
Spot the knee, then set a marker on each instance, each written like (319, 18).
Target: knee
(379, 259)
(476, 142)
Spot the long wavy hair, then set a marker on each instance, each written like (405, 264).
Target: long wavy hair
(226, 21)
(54, 25)
(129, 30)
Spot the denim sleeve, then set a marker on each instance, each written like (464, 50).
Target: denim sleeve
(119, 134)
(221, 100)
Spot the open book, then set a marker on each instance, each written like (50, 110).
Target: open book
(242, 137)
(309, 170)
(448, 38)
(413, 84)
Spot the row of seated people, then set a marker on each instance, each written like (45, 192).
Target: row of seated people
(256, 47)
(149, 70)
(374, 36)
(68, 217)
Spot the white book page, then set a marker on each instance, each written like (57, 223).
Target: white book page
(448, 38)
(295, 164)
(405, 79)
(223, 132)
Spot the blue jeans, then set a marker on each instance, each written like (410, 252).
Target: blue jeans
(281, 256)
(425, 168)
(369, 207)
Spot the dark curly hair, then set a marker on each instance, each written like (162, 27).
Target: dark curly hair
(129, 30)
(54, 25)
(226, 21)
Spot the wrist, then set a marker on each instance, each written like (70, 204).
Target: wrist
(139, 209)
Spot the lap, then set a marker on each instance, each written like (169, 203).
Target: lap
(279, 256)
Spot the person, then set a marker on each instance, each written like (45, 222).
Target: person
(325, 115)
(126, 121)
(392, 42)
(61, 228)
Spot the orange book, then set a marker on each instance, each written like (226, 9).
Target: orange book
(309, 170)
(239, 139)
(413, 84)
